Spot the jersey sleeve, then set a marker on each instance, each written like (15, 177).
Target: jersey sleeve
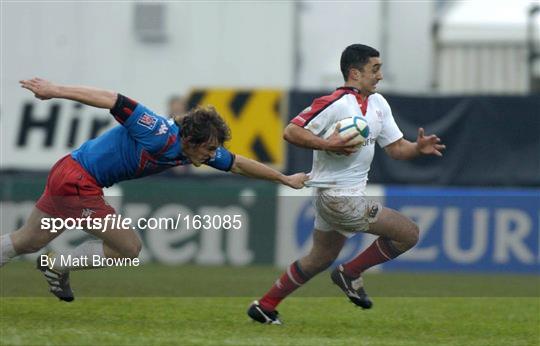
(390, 132)
(146, 127)
(223, 160)
(318, 117)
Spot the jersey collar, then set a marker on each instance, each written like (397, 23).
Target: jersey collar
(349, 88)
(362, 101)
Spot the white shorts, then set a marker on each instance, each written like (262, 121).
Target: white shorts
(345, 210)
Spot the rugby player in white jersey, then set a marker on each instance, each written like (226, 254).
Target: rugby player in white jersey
(341, 208)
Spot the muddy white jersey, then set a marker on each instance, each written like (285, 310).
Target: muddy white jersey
(331, 170)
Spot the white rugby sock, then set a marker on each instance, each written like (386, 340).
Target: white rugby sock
(79, 258)
(7, 251)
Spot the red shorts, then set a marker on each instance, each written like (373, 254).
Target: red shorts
(72, 192)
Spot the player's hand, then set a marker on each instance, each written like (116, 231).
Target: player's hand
(343, 145)
(296, 181)
(42, 89)
(429, 145)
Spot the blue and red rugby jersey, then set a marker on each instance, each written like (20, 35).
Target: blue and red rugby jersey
(145, 144)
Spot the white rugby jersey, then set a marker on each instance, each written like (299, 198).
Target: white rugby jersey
(330, 170)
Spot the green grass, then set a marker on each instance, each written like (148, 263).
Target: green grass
(19, 279)
(190, 305)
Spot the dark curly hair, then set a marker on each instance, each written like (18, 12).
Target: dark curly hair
(202, 123)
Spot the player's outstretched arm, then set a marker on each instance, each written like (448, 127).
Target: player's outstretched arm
(254, 169)
(402, 149)
(45, 90)
(301, 137)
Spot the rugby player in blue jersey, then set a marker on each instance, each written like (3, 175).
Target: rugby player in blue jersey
(144, 144)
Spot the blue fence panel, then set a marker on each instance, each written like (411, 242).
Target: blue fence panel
(488, 230)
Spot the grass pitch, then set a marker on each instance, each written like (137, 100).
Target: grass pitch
(190, 305)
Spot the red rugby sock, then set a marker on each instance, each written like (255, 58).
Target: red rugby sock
(380, 251)
(289, 281)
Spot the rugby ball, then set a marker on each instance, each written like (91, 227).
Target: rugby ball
(348, 126)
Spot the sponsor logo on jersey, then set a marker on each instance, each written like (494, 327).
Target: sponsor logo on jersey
(148, 121)
(369, 141)
(162, 130)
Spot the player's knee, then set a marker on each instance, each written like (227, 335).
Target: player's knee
(413, 235)
(134, 250)
(131, 250)
(23, 243)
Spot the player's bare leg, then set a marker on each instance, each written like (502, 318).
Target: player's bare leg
(115, 243)
(31, 238)
(391, 224)
(112, 243)
(397, 234)
(118, 242)
(325, 249)
(27, 239)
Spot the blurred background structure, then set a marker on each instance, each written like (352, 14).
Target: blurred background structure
(466, 70)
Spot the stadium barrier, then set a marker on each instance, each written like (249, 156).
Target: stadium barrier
(199, 213)
(465, 230)
(491, 140)
(39, 133)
